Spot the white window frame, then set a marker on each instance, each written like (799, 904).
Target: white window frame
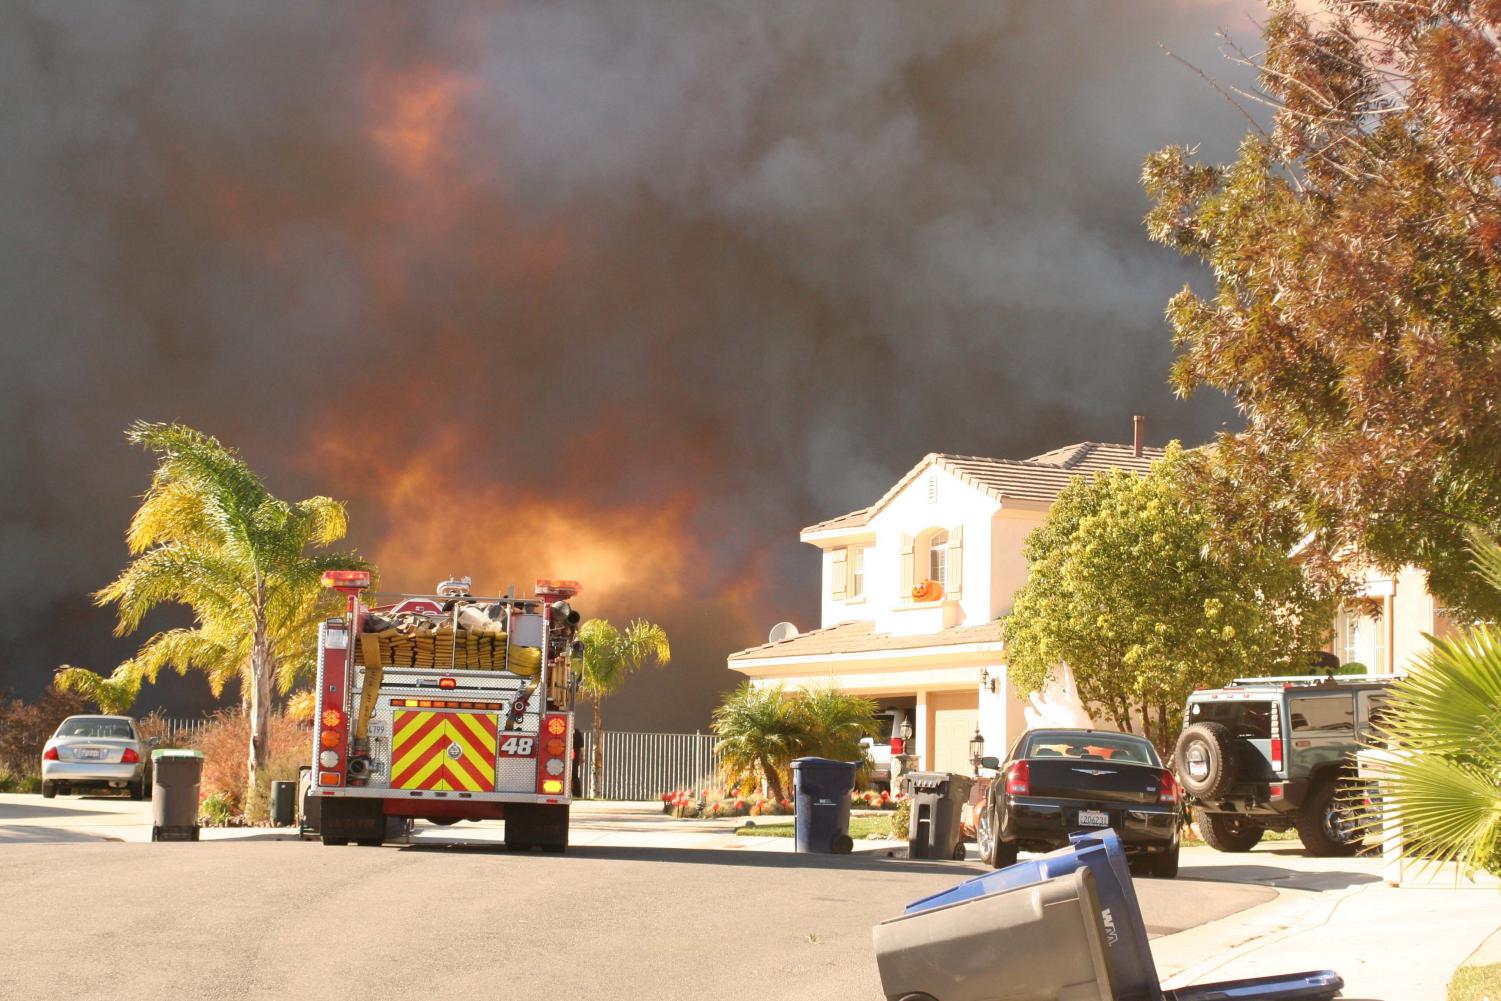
(855, 582)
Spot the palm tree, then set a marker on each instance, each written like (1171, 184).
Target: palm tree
(113, 695)
(835, 722)
(760, 730)
(209, 535)
(1444, 722)
(612, 656)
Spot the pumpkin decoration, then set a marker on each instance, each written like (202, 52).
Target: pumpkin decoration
(928, 590)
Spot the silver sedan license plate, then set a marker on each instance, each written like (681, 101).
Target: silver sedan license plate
(1094, 818)
(90, 753)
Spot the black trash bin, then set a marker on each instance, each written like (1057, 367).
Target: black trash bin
(938, 800)
(823, 805)
(283, 804)
(174, 794)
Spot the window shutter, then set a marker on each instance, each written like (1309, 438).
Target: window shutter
(907, 567)
(954, 568)
(838, 573)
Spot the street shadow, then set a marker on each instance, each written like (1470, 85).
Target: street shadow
(1270, 875)
(868, 861)
(39, 809)
(33, 835)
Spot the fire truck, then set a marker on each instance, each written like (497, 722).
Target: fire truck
(445, 707)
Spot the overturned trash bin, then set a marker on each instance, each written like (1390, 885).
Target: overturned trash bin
(174, 794)
(1017, 933)
(822, 823)
(938, 799)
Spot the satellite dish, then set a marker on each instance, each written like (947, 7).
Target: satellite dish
(782, 631)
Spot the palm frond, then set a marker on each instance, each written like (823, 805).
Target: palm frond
(173, 572)
(1487, 555)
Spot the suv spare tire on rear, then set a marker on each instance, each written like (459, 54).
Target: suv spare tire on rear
(1205, 760)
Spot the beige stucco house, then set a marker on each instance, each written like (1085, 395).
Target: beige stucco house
(961, 521)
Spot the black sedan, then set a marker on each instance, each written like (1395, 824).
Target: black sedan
(1058, 782)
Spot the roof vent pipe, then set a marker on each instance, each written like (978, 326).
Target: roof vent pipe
(1138, 421)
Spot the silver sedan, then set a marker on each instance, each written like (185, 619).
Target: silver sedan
(97, 752)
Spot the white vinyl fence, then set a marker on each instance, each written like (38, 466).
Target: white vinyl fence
(645, 765)
(177, 727)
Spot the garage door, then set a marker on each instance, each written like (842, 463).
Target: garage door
(955, 716)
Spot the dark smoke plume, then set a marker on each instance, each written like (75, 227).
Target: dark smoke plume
(628, 289)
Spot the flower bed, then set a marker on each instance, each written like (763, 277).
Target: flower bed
(715, 803)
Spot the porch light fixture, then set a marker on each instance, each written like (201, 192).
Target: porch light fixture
(907, 730)
(976, 749)
(986, 681)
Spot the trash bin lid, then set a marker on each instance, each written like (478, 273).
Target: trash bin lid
(798, 764)
(175, 752)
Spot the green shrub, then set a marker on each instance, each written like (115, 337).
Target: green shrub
(901, 818)
(10, 782)
(216, 810)
(25, 727)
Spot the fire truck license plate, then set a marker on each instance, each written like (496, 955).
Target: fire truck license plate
(518, 746)
(1094, 818)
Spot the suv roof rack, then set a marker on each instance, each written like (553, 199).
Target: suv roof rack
(1315, 679)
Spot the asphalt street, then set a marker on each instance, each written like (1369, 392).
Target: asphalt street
(273, 917)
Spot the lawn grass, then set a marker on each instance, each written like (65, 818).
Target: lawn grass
(1189, 841)
(1476, 983)
(860, 827)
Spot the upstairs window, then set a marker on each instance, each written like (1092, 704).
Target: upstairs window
(857, 572)
(938, 551)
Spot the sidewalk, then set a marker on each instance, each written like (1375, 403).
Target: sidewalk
(1389, 943)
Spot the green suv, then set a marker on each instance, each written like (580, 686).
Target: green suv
(1277, 754)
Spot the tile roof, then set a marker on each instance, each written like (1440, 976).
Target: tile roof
(1040, 478)
(861, 637)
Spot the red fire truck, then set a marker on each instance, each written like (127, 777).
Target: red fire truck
(446, 707)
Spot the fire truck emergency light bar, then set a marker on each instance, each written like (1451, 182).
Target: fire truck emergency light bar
(341, 579)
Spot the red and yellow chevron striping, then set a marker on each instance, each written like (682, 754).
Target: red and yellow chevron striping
(443, 751)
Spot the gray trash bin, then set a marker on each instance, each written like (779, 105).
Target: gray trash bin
(822, 823)
(938, 800)
(174, 794)
(1042, 942)
(283, 804)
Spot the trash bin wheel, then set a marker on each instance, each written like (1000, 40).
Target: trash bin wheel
(917, 997)
(961, 852)
(195, 834)
(841, 844)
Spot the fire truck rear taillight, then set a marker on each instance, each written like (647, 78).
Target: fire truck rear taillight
(553, 786)
(332, 717)
(556, 747)
(329, 759)
(329, 738)
(556, 725)
(328, 778)
(552, 757)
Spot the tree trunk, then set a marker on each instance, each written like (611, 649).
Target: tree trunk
(1163, 735)
(1146, 720)
(773, 780)
(260, 700)
(597, 765)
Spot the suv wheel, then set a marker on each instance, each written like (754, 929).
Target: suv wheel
(1225, 832)
(1205, 759)
(1165, 866)
(1326, 824)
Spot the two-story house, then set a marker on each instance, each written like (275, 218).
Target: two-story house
(958, 522)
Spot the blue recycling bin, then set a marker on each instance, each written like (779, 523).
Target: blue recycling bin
(822, 823)
(1101, 852)
(1124, 932)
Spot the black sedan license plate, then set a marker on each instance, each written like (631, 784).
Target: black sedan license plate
(1094, 818)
